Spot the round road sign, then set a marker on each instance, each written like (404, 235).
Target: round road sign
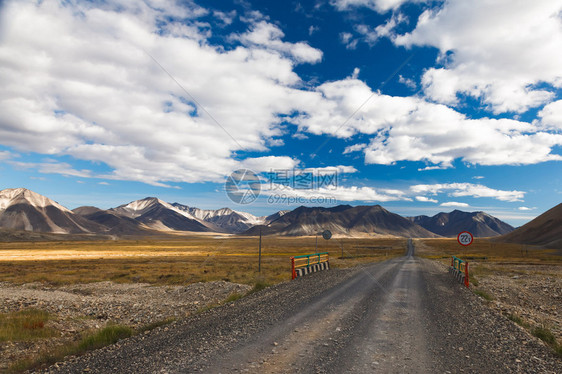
(465, 238)
(327, 234)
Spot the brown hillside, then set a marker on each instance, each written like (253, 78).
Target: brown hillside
(545, 230)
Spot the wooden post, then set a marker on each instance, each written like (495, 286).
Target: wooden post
(316, 247)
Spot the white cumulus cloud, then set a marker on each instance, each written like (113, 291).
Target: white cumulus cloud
(502, 52)
(380, 6)
(425, 199)
(468, 189)
(551, 116)
(268, 35)
(124, 84)
(410, 83)
(339, 193)
(410, 128)
(86, 79)
(455, 204)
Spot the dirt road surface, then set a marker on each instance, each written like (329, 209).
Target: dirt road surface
(405, 315)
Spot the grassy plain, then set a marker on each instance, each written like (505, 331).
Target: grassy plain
(486, 256)
(179, 260)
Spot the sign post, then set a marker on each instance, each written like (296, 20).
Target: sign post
(465, 238)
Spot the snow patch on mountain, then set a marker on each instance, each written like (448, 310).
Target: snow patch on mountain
(22, 209)
(228, 219)
(12, 196)
(138, 207)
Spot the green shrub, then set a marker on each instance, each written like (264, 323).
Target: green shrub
(153, 325)
(484, 295)
(258, 286)
(106, 336)
(233, 297)
(515, 318)
(545, 335)
(24, 325)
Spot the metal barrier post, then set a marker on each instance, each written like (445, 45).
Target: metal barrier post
(293, 271)
(466, 282)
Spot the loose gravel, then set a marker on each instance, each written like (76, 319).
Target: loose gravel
(448, 328)
(77, 308)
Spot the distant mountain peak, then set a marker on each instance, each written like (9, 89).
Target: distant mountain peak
(343, 220)
(25, 210)
(143, 203)
(139, 207)
(11, 196)
(480, 224)
(160, 215)
(225, 218)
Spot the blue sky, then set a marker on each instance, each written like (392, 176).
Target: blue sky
(420, 106)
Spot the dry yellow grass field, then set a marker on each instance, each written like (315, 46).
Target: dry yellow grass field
(179, 260)
(486, 256)
(484, 247)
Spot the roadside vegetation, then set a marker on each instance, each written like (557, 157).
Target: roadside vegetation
(541, 332)
(89, 341)
(518, 320)
(503, 265)
(24, 325)
(483, 294)
(544, 334)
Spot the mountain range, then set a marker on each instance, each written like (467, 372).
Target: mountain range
(342, 220)
(479, 224)
(25, 210)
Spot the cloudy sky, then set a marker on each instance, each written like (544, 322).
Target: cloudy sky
(420, 106)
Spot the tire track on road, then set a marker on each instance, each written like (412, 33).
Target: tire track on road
(304, 336)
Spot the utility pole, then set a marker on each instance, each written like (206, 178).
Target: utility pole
(316, 248)
(259, 261)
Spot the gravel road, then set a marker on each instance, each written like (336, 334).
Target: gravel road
(405, 315)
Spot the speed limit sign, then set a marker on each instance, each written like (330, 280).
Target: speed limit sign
(465, 238)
